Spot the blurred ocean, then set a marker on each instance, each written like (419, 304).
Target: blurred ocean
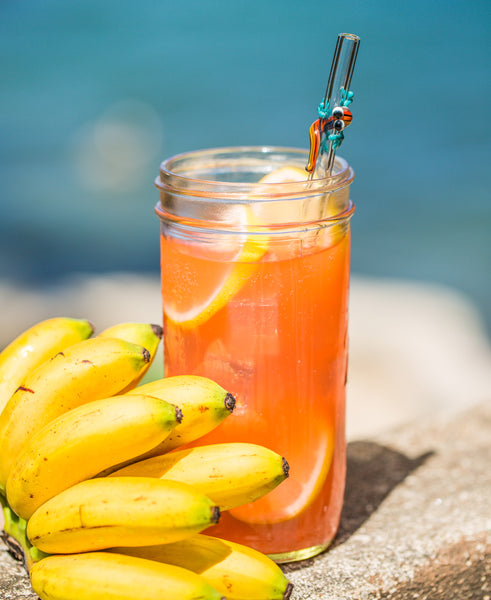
(95, 94)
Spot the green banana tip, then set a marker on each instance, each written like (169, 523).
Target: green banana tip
(229, 402)
(37, 554)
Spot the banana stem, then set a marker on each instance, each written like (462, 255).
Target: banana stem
(14, 537)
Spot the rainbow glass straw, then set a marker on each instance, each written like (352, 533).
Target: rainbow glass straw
(326, 134)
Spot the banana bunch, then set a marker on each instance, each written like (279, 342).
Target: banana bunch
(93, 498)
(75, 374)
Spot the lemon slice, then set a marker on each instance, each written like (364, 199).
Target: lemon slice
(195, 289)
(285, 175)
(294, 494)
(334, 203)
(198, 291)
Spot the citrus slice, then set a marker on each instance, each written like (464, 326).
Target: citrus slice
(195, 287)
(297, 492)
(285, 175)
(332, 204)
(198, 281)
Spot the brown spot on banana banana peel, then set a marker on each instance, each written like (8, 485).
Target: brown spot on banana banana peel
(157, 330)
(215, 515)
(229, 402)
(25, 389)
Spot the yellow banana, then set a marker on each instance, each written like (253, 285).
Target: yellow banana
(203, 401)
(236, 571)
(82, 442)
(129, 511)
(90, 370)
(230, 474)
(35, 346)
(143, 334)
(104, 576)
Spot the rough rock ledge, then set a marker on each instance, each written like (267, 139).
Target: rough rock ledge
(416, 522)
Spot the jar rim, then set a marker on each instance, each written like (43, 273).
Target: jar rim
(174, 174)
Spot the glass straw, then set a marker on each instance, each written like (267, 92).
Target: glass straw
(343, 64)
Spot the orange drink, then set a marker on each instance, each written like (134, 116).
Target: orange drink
(255, 275)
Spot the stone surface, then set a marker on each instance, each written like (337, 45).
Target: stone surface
(416, 522)
(14, 583)
(416, 349)
(416, 519)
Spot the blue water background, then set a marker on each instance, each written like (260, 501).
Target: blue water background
(191, 74)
